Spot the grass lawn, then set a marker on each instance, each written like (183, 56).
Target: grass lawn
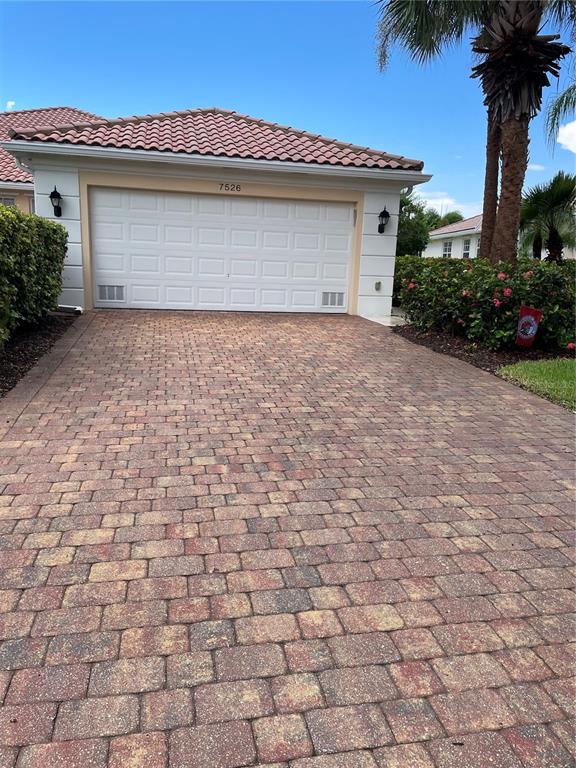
(553, 379)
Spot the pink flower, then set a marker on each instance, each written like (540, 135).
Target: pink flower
(411, 285)
(501, 276)
(496, 302)
(403, 280)
(528, 275)
(465, 293)
(507, 291)
(570, 345)
(460, 321)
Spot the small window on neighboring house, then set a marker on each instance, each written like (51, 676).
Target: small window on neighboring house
(466, 249)
(10, 201)
(447, 249)
(478, 248)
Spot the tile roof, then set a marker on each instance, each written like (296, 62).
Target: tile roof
(30, 119)
(218, 132)
(474, 222)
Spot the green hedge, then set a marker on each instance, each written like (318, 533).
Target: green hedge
(407, 268)
(481, 302)
(32, 251)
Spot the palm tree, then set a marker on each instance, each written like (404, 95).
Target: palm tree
(516, 65)
(548, 217)
(505, 36)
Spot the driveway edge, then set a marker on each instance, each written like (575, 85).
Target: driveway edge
(14, 403)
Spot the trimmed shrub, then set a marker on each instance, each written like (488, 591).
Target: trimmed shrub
(408, 267)
(481, 302)
(32, 251)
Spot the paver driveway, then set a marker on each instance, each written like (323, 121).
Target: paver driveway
(231, 540)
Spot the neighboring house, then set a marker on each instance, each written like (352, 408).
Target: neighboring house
(460, 240)
(210, 209)
(16, 183)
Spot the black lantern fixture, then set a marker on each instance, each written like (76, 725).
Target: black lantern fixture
(383, 218)
(56, 200)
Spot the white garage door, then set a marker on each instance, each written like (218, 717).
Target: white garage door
(163, 250)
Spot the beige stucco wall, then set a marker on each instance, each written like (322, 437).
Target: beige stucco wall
(24, 197)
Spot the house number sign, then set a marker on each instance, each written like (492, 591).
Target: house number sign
(225, 187)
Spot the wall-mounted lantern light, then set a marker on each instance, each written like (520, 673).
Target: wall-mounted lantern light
(383, 218)
(56, 200)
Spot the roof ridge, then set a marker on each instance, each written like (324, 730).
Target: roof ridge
(43, 109)
(319, 136)
(216, 110)
(147, 118)
(457, 224)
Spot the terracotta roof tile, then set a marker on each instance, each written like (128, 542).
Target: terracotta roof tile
(31, 119)
(474, 222)
(217, 132)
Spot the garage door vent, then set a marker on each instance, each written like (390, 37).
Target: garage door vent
(111, 293)
(332, 299)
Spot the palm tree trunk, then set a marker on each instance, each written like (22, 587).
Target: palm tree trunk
(554, 246)
(537, 247)
(490, 187)
(514, 142)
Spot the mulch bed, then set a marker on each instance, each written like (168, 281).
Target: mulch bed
(456, 346)
(27, 346)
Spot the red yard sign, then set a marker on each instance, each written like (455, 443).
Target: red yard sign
(528, 323)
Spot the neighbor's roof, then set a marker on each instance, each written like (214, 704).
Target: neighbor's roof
(473, 223)
(30, 119)
(217, 132)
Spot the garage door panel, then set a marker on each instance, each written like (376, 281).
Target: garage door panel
(179, 296)
(334, 272)
(306, 241)
(178, 204)
(244, 207)
(273, 209)
(243, 268)
(214, 236)
(174, 265)
(304, 300)
(276, 240)
(145, 264)
(178, 235)
(339, 213)
(112, 262)
(244, 238)
(302, 270)
(144, 294)
(275, 269)
(209, 298)
(206, 252)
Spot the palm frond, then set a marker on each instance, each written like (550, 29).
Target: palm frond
(549, 209)
(426, 27)
(563, 107)
(517, 60)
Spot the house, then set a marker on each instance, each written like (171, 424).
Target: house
(211, 209)
(16, 183)
(460, 240)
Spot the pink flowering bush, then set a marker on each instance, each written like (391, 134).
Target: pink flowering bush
(480, 301)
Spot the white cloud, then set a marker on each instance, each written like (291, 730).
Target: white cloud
(443, 202)
(10, 105)
(536, 167)
(567, 136)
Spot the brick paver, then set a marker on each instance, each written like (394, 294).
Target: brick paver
(232, 540)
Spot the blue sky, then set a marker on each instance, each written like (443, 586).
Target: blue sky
(312, 65)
